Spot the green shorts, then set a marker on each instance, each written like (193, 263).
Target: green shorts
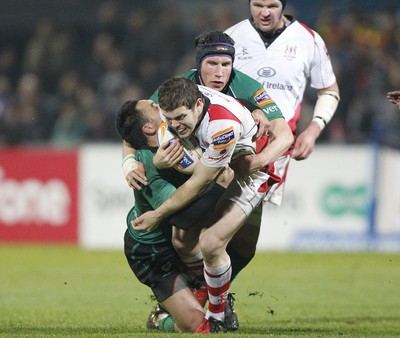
(157, 266)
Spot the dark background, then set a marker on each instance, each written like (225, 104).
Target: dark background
(66, 66)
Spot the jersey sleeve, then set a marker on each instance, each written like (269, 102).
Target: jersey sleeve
(222, 136)
(321, 71)
(267, 104)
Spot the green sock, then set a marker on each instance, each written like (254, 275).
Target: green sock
(167, 324)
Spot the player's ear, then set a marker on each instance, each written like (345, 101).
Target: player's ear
(149, 128)
(199, 105)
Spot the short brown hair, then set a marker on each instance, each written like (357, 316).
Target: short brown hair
(178, 92)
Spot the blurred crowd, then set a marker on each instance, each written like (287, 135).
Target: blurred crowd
(62, 86)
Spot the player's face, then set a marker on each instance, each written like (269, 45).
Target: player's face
(267, 15)
(184, 120)
(151, 110)
(215, 71)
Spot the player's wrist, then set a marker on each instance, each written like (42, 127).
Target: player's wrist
(159, 215)
(314, 129)
(129, 163)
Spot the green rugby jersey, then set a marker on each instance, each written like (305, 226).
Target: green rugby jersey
(161, 185)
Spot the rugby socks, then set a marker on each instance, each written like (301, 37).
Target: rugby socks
(196, 264)
(167, 324)
(218, 282)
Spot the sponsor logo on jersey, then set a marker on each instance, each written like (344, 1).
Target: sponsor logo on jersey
(219, 158)
(271, 109)
(223, 139)
(266, 72)
(244, 54)
(262, 98)
(277, 85)
(186, 161)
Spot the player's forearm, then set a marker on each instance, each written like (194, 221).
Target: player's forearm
(326, 105)
(193, 188)
(281, 138)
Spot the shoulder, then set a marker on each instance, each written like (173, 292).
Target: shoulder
(305, 31)
(238, 28)
(244, 79)
(223, 110)
(145, 156)
(244, 86)
(190, 74)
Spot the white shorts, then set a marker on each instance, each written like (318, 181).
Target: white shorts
(247, 192)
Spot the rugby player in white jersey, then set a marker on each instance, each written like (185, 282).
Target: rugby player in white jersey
(225, 129)
(285, 55)
(214, 59)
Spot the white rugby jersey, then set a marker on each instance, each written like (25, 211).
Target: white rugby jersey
(226, 129)
(297, 55)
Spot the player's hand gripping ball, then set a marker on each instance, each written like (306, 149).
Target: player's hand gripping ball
(192, 151)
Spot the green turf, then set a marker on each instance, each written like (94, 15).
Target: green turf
(48, 291)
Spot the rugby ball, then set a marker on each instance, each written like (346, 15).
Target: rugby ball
(191, 149)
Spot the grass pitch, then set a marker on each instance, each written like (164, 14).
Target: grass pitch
(63, 291)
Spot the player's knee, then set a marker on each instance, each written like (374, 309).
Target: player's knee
(210, 245)
(178, 244)
(191, 321)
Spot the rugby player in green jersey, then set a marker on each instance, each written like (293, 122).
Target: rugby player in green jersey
(150, 254)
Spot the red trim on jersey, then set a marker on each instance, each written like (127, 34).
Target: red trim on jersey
(218, 112)
(293, 121)
(261, 143)
(308, 29)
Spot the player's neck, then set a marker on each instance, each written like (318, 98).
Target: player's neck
(152, 141)
(280, 27)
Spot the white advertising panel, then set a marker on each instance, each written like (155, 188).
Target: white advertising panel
(387, 229)
(327, 204)
(105, 197)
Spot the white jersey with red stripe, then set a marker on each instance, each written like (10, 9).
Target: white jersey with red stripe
(226, 129)
(296, 56)
(225, 132)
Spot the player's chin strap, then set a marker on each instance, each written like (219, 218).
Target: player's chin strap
(325, 107)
